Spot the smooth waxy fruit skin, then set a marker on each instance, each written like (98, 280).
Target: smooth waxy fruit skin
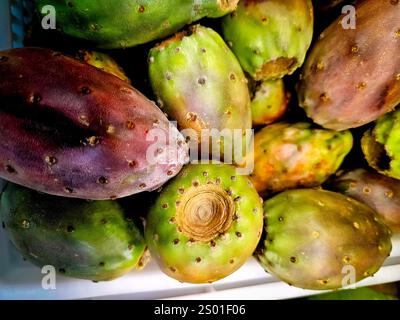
(205, 224)
(381, 145)
(368, 83)
(88, 240)
(379, 192)
(288, 156)
(127, 23)
(270, 37)
(69, 129)
(210, 93)
(269, 103)
(312, 235)
(103, 62)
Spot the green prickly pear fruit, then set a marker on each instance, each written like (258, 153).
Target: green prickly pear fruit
(269, 102)
(288, 156)
(352, 76)
(381, 145)
(70, 129)
(379, 192)
(209, 94)
(103, 62)
(127, 23)
(314, 237)
(270, 37)
(205, 224)
(88, 240)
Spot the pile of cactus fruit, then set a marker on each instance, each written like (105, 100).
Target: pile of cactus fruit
(201, 134)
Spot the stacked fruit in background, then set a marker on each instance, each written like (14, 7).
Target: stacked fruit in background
(74, 130)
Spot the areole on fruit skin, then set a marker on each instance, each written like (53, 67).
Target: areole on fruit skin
(205, 224)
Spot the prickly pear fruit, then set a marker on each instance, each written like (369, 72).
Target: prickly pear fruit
(88, 240)
(296, 155)
(70, 129)
(269, 102)
(381, 145)
(312, 236)
(102, 61)
(270, 37)
(205, 224)
(351, 77)
(127, 23)
(377, 191)
(209, 94)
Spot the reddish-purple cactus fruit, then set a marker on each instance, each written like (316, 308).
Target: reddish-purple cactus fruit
(352, 76)
(69, 129)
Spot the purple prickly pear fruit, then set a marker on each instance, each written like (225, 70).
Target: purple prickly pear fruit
(287, 156)
(205, 224)
(313, 238)
(352, 76)
(379, 192)
(70, 129)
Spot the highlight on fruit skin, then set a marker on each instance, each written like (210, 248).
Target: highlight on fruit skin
(351, 76)
(311, 237)
(381, 145)
(205, 224)
(120, 24)
(270, 37)
(288, 156)
(94, 240)
(379, 192)
(72, 130)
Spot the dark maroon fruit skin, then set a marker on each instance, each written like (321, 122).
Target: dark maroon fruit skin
(69, 129)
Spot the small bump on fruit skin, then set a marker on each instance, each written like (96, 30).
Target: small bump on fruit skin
(300, 258)
(365, 87)
(288, 156)
(379, 192)
(81, 239)
(75, 132)
(265, 49)
(128, 23)
(208, 235)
